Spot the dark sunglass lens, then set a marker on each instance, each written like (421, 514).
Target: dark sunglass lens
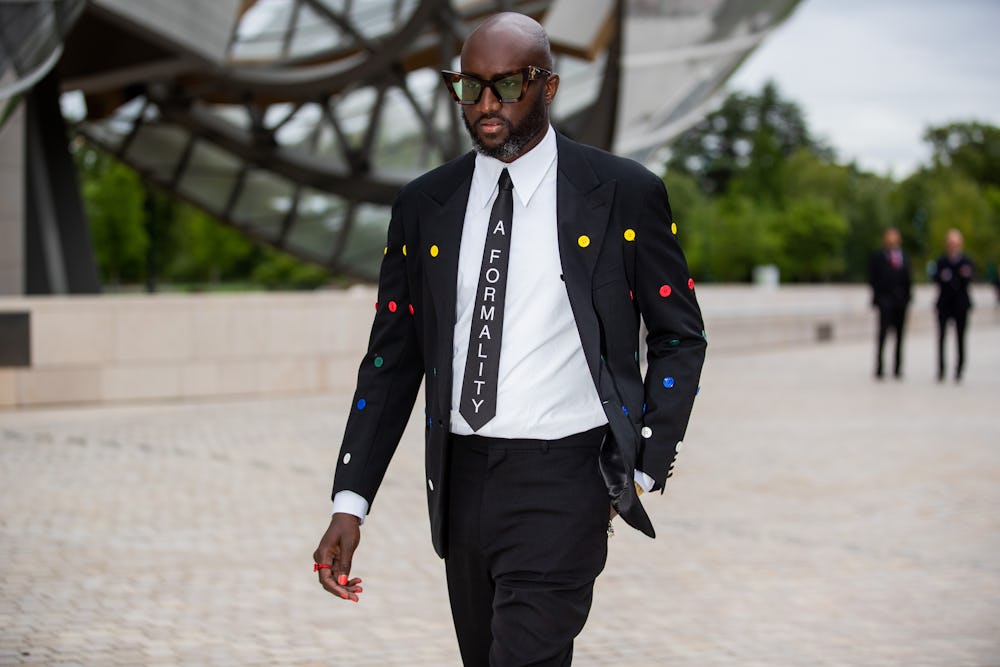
(510, 87)
(467, 89)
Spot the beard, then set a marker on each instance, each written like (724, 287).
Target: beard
(518, 136)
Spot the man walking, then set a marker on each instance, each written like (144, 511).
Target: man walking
(889, 276)
(513, 283)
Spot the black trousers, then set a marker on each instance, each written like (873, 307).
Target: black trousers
(960, 318)
(527, 537)
(891, 317)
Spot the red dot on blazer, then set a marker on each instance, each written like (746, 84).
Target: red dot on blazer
(411, 309)
(690, 283)
(376, 306)
(665, 291)
(631, 296)
(392, 306)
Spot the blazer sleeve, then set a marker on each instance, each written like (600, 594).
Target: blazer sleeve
(676, 340)
(389, 375)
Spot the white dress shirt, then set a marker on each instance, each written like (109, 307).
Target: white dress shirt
(545, 389)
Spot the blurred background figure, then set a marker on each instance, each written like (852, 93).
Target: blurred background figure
(953, 273)
(889, 277)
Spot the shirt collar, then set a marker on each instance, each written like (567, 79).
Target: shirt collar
(526, 172)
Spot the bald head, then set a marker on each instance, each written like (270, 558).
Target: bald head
(510, 34)
(953, 242)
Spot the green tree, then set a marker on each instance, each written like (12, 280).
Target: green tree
(748, 134)
(959, 202)
(738, 237)
(960, 189)
(207, 253)
(691, 210)
(114, 199)
(810, 235)
(862, 200)
(141, 234)
(281, 271)
(969, 147)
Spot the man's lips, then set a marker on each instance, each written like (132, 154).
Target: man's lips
(491, 125)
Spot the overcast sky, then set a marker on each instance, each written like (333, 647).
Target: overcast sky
(872, 74)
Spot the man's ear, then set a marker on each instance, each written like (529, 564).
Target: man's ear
(551, 86)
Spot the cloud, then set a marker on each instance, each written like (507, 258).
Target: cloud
(871, 76)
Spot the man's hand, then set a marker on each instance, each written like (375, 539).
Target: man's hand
(336, 549)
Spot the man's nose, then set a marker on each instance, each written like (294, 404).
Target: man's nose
(488, 101)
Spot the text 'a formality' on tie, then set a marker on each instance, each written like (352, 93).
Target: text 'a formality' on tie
(482, 363)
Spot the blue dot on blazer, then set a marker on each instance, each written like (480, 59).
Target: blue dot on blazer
(362, 403)
(668, 382)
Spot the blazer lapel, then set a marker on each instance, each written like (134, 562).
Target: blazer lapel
(583, 208)
(442, 214)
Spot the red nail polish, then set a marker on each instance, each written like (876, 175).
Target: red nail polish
(342, 580)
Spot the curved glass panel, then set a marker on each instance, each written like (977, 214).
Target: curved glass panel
(319, 221)
(210, 177)
(324, 108)
(264, 203)
(157, 149)
(363, 250)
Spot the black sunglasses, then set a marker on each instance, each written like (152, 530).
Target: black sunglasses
(509, 87)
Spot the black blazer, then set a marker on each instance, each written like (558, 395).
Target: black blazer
(632, 265)
(953, 277)
(891, 287)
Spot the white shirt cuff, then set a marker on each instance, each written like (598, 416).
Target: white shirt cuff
(349, 502)
(641, 478)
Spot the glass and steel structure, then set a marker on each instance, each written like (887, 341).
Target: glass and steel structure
(296, 121)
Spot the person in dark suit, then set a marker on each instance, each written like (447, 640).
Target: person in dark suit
(889, 277)
(953, 273)
(513, 283)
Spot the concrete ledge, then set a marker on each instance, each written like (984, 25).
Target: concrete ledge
(112, 349)
(741, 317)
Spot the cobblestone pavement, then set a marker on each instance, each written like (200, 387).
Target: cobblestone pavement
(817, 518)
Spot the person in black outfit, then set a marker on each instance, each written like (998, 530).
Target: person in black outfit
(889, 277)
(953, 273)
(513, 284)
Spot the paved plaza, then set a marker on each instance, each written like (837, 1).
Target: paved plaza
(817, 518)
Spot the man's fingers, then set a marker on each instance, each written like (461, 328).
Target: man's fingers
(348, 590)
(336, 549)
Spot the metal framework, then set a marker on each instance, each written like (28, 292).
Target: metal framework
(301, 126)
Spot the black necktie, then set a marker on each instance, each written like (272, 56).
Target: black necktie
(482, 363)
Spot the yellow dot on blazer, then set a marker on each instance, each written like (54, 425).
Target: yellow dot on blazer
(583, 241)
(673, 228)
(630, 235)
(385, 250)
(404, 250)
(434, 251)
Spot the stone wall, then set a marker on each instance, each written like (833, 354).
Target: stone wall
(111, 349)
